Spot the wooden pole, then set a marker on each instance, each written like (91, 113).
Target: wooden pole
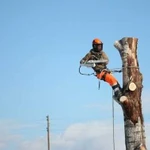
(132, 89)
(48, 133)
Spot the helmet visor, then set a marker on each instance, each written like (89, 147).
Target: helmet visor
(98, 47)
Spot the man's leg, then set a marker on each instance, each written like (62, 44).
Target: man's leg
(112, 81)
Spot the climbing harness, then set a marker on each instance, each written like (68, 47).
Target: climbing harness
(92, 63)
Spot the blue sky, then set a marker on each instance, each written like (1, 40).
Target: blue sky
(41, 44)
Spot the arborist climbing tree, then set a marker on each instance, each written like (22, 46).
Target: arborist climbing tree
(129, 96)
(98, 60)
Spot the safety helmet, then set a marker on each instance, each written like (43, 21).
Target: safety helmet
(95, 44)
(96, 41)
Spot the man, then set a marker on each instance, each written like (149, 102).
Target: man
(102, 73)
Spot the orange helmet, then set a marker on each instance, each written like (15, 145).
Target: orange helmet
(97, 41)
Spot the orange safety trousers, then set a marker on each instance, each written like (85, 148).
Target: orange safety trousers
(107, 77)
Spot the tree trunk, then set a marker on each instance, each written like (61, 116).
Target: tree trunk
(132, 89)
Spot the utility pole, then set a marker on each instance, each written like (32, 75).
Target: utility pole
(48, 139)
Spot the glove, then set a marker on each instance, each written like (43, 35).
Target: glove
(82, 61)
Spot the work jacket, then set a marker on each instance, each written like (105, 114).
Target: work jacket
(92, 55)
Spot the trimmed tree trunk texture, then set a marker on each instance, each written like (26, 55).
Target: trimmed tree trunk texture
(131, 106)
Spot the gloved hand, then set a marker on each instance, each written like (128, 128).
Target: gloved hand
(82, 61)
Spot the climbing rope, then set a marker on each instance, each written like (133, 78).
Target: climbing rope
(115, 70)
(113, 122)
(86, 74)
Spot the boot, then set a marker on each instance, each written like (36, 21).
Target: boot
(117, 91)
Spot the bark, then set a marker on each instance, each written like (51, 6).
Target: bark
(132, 106)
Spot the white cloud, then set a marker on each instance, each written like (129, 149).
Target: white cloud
(80, 136)
(10, 136)
(94, 135)
(37, 144)
(7, 138)
(98, 134)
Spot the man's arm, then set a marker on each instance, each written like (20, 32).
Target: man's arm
(105, 57)
(85, 58)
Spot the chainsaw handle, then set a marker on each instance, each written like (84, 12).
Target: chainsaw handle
(88, 64)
